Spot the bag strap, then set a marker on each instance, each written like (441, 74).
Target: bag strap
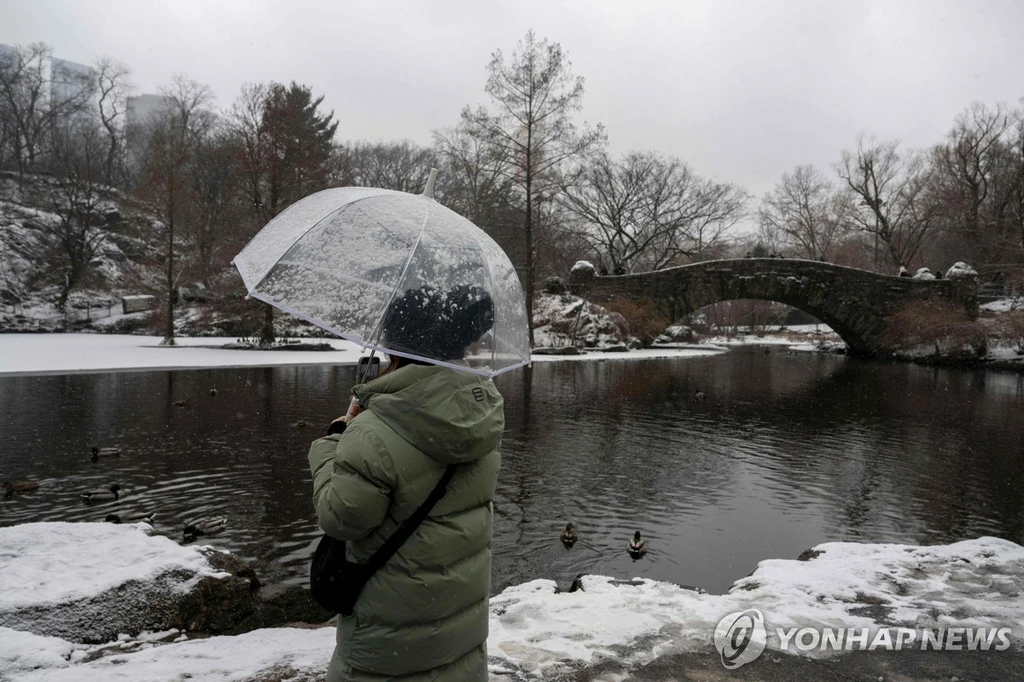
(409, 526)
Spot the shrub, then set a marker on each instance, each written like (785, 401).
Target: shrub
(554, 285)
(643, 319)
(1011, 328)
(944, 328)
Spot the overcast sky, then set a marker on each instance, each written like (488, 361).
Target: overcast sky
(743, 91)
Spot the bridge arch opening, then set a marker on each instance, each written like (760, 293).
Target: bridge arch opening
(763, 315)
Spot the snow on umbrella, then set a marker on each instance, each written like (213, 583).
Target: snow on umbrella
(393, 272)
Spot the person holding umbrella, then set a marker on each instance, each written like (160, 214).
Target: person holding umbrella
(424, 612)
(403, 483)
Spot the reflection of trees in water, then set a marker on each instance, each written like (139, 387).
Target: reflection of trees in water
(594, 447)
(909, 451)
(887, 451)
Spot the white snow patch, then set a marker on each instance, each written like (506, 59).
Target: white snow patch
(58, 562)
(655, 353)
(22, 651)
(1003, 305)
(220, 659)
(68, 353)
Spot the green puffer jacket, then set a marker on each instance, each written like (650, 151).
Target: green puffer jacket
(424, 615)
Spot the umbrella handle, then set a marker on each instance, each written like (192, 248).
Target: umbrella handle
(429, 190)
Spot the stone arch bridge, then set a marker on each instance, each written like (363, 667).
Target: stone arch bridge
(855, 303)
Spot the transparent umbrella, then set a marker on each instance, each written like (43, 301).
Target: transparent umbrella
(393, 272)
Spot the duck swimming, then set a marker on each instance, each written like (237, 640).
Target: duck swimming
(569, 536)
(200, 527)
(131, 517)
(637, 546)
(184, 402)
(104, 452)
(102, 495)
(10, 488)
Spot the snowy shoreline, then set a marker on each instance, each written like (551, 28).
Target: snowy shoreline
(81, 353)
(536, 630)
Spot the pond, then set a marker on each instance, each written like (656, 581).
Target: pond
(720, 461)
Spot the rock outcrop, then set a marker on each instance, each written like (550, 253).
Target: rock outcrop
(90, 582)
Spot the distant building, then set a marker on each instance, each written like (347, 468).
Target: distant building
(142, 108)
(69, 82)
(72, 82)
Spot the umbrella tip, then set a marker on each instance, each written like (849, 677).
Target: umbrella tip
(429, 190)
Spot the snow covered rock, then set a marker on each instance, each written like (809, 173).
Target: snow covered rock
(961, 269)
(582, 267)
(676, 333)
(567, 320)
(88, 582)
(924, 273)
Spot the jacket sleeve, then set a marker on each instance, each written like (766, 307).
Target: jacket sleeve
(352, 482)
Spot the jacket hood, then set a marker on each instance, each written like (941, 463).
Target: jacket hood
(452, 416)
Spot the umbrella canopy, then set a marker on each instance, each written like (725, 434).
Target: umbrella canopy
(394, 272)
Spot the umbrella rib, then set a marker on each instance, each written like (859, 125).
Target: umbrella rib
(401, 278)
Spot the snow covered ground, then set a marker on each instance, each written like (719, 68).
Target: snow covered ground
(536, 631)
(71, 353)
(297, 654)
(638, 354)
(1003, 305)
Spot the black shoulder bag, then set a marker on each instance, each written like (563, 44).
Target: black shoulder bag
(335, 582)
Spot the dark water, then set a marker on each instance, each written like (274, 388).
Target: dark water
(784, 452)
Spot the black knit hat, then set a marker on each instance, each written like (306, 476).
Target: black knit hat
(438, 325)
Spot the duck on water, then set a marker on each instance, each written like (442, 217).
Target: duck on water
(12, 487)
(102, 495)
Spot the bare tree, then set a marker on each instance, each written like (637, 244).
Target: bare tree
(647, 211)
(75, 197)
(113, 87)
(34, 97)
(216, 210)
(475, 182)
(402, 166)
(536, 98)
(976, 175)
(892, 197)
(807, 213)
(171, 141)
